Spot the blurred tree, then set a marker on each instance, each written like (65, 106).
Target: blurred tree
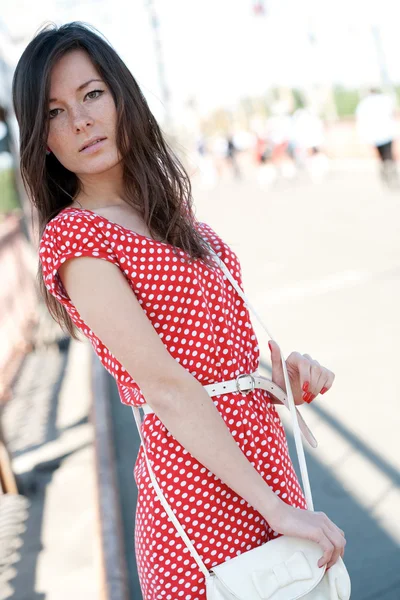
(219, 120)
(397, 92)
(346, 100)
(8, 193)
(298, 98)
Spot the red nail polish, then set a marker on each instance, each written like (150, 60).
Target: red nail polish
(324, 389)
(310, 398)
(305, 386)
(270, 347)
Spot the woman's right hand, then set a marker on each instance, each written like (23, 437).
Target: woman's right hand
(314, 526)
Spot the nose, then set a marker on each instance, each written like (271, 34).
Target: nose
(81, 120)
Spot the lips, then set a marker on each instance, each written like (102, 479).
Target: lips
(91, 142)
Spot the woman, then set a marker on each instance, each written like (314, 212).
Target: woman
(159, 312)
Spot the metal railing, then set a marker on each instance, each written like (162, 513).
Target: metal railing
(18, 299)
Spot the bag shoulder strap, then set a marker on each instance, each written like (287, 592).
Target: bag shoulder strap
(165, 504)
(295, 424)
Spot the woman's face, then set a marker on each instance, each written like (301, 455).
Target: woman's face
(81, 110)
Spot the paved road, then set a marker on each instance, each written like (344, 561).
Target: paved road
(322, 264)
(51, 440)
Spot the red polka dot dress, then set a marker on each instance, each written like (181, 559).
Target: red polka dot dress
(205, 326)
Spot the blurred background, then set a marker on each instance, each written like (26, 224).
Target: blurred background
(286, 115)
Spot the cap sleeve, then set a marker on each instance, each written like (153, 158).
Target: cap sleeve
(69, 236)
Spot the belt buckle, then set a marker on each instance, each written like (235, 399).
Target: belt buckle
(253, 383)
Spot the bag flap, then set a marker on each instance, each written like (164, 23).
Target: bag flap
(282, 569)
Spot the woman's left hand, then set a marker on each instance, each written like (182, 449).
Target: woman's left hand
(307, 377)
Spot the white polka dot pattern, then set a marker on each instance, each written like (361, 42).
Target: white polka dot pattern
(206, 327)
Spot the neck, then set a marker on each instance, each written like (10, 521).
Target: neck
(102, 189)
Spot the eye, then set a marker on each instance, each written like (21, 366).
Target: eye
(94, 94)
(53, 113)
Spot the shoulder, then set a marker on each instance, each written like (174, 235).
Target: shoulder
(72, 234)
(211, 237)
(223, 249)
(69, 222)
(73, 230)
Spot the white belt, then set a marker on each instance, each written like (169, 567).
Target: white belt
(244, 384)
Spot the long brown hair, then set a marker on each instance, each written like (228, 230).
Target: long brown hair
(156, 183)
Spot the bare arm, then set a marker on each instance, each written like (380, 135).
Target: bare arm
(108, 306)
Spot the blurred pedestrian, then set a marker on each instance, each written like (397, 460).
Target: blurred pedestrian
(376, 126)
(205, 161)
(279, 127)
(6, 159)
(231, 156)
(266, 170)
(307, 142)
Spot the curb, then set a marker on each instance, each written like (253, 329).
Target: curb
(113, 561)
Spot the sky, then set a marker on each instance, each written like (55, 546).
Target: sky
(218, 51)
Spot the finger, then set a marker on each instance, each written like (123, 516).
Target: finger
(340, 544)
(336, 536)
(327, 547)
(334, 561)
(336, 528)
(328, 381)
(323, 382)
(333, 527)
(338, 540)
(335, 557)
(304, 367)
(342, 550)
(331, 379)
(276, 361)
(316, 371)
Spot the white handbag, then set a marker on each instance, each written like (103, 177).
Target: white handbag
(282, 569)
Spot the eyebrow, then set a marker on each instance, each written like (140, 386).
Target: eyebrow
(80, 88)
